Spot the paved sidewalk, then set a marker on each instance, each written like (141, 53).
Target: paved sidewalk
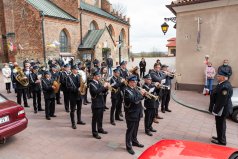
(57, 140)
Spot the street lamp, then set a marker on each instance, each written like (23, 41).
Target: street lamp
(165, 26)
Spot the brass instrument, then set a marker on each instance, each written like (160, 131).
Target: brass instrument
(83, 86)
(21, 77)
(148, 94)
(56, 84)
(103, 80)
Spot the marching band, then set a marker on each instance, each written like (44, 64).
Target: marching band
(126, 88)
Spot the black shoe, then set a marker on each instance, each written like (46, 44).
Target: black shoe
(35, 111)
(137, 145)
(103, 132)
(67, 111)
(81, 123)
(119, 119)
(97, 136)
(84, 103)
(47, 118)
(168, 110)
(215, 138)
(41, 110)
(159, 117)
(74, 126)
(218, 143)
(88, 102)
(27, 106)
(153, 130)
(149, 133)
(53, 116)
(59, 103)
(113, 123)
(106, 107)
(163, 111)
(130, 151)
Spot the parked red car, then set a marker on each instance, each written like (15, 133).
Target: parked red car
(12, 118)
(179, 149)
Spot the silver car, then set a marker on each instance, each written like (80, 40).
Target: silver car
(234, 100)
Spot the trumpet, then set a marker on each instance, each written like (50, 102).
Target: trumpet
(172, 74)
(148, 94)
(161, 86)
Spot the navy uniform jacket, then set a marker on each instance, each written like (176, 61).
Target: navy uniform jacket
(221, 99)
(73, 84)
(35, 86)
(18, 85)
(156, 76)
(55, 75)
(64, 75)
(116, 84)
(47, 88)
(133, 105)
(124, 73)
(149, 103)
(97, 90)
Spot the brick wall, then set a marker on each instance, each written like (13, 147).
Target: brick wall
(3, 46)
(70, 6)
(53, 27)
(23, 20)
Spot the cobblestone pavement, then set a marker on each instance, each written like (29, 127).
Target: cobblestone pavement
(56, 139)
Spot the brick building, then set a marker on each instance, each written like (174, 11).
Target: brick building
(41, 29)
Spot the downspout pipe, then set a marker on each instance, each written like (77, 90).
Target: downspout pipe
(43, 34)
(129, 43)
(81, 29)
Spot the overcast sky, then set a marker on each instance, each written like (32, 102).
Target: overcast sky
(147, 16)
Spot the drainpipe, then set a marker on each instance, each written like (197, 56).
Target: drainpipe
(129, 43)
(81, 30)
(43, 34)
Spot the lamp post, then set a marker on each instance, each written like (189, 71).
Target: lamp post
(43, 35)
(165, 26)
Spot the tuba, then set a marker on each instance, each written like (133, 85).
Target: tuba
(83, 86)
(21, 77)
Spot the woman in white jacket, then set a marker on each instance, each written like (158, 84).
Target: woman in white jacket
(6, 71)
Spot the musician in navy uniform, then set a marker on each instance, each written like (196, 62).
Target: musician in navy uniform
(149, 104)
(49, 95)
(133, 110)
(96, 90)
(116, 96)
(73, 85)
(64, 75)
(167, 91)
(221, 106)
(157, 77)
(56, 76)
(36, 89)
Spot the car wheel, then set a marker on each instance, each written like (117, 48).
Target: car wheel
(235, 115)
(3, 141)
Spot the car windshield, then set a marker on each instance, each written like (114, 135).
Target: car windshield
(2, 99)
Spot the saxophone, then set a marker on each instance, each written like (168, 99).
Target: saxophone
(83, 86)
(21, 77)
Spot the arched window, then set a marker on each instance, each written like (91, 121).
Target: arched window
(93, 26)
(63, 41)
(122, 37)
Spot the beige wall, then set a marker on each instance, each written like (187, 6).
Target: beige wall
(218, 40)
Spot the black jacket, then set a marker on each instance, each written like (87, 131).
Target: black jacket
(226, 69)
(221, 99)
(133, 105)
(63, 76)
(109, 62)
(73, 84)
(149, 103)
(142, 66)
(97, 90)
(116, 84)
(156, 76)
(47, 88)
(35, 86)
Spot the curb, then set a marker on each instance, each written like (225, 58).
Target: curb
(173, 95)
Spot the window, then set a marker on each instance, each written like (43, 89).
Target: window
(122, 37)
(93, 26)
(63, 42)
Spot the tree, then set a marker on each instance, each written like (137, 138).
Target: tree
(121, 8)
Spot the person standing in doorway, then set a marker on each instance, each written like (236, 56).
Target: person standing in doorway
(109, 62)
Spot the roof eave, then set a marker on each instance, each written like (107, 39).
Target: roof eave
(75, 20)
(105, 17)
(171, 9)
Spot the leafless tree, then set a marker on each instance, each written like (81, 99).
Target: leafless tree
(122, 9)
